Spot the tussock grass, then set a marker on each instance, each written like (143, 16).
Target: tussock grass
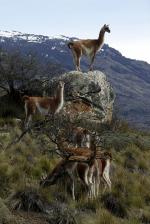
(87, 205)
(23, 165)
(5, 215)
(105, 217)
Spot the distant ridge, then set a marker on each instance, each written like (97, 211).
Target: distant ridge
(129, 78)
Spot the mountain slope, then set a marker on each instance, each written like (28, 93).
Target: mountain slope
(129, 78)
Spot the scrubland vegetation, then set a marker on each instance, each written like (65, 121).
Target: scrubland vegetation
(23, 164)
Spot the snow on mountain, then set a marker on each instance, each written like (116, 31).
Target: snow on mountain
(129, 78)
(9, 34)
(30, 37)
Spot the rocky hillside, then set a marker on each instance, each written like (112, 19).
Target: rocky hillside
(129, 78)
(28, 156)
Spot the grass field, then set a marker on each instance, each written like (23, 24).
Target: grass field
(23, 164)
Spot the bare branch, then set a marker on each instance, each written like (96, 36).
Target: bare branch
(85, 100)
(18, 139)
(4, 88)
(90, 92)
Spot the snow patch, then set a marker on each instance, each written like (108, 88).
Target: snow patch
(33, 37)
(53, 48)
(59, 37)
(62, 43)
(9, 34)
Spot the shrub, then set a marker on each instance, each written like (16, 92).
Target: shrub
(115, 206)
(27, 200)
(90, 205)
(61, 214)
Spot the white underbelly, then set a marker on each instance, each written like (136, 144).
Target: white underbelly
(87, 51)
(41, 110)
(107, 168)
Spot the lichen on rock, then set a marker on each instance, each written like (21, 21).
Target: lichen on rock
(87, 95)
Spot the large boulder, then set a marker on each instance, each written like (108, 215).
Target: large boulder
(87, 95)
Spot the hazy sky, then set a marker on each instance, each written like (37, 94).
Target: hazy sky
(129, 21)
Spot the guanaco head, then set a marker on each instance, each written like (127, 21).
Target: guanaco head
(106, 28)
(51, 180)
(86, 138)
(61, 84)
(107, 155)
(54, 176)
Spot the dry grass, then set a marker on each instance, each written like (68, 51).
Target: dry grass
(23, 165)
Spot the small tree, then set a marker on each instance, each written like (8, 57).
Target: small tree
(16, 71)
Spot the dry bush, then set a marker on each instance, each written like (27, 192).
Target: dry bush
(27, 200)
(114, 205)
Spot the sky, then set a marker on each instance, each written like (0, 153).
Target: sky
(129, 21)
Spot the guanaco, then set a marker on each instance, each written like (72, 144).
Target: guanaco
(44, 105)
(87, 47)
(89, 174)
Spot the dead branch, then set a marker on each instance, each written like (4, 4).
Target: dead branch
(57, 131)
(4, 88)
(85, 100)
(18, 139)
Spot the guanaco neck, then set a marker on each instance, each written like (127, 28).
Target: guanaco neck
(101, 37)
(60, 95)
(93, 149)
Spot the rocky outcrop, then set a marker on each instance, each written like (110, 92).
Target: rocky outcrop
(87, 95)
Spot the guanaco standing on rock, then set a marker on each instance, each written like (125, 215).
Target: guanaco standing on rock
(87, 47)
